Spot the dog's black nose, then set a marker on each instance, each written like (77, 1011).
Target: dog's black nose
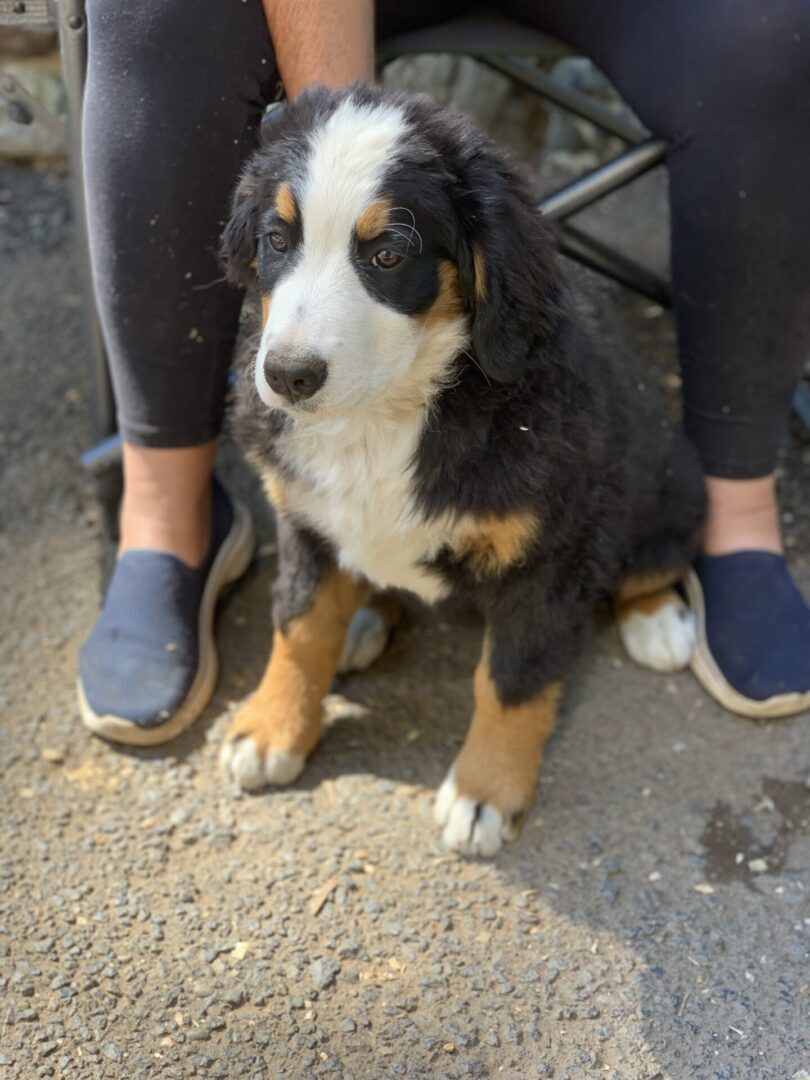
(295, 382)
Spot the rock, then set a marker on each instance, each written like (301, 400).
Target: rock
(113, 1052)
(40, 77)
(324, 972)
(489, 97)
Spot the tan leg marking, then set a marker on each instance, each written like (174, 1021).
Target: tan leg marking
(500, 759)
(285, 204)
(484, 798)
(493, 544)
(637, 586)
(285, 712)
(373, 219)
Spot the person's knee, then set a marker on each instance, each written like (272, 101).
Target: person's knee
(757, 52)
(131, 28)
(154, 32)
(747, 61)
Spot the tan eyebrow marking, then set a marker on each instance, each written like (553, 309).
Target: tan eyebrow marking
(285, 204)
(374, 219)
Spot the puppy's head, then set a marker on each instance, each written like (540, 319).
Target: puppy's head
(391, 242)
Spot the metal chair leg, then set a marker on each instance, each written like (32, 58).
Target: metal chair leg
(573, 101)
(611, 263)
(602, 181)
(73, 46)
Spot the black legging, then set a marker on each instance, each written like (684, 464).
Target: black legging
(175, 93)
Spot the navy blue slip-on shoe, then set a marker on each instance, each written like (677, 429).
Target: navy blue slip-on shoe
(753, 647)
(150, 664)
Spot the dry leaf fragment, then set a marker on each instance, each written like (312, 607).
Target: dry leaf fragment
(321, 895)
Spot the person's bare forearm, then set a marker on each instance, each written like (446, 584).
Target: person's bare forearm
(330, 42)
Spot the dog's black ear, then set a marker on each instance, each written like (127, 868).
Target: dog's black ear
(272, 120)
(237, 250)
(508, 266)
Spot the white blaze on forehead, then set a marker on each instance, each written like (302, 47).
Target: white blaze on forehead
(348, 157)
(322, 306)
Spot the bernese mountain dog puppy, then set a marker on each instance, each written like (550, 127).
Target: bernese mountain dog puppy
(435, 408)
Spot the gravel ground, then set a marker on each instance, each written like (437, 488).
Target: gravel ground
(651, 923)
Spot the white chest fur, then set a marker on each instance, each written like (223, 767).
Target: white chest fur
(356, 489)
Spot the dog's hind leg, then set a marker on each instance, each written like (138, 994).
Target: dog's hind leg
(369, 632)
(314, 603)
(656, 626)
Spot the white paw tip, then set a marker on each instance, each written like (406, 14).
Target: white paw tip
(445, 797)
(243, 763)
(468, 826)
(663, 640)
(283, 766)
(472, 828)
(366, 639)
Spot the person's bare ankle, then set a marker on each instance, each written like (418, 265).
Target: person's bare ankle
(743, 515)
(167, 501)
(181, 530)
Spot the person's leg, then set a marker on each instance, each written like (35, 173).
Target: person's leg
(729, 84)
(167, 500)
(172, 107)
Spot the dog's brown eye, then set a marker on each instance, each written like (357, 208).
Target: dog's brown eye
(385, 259)
(277, 242)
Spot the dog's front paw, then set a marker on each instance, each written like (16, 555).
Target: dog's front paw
(471, 822)
(256, 752)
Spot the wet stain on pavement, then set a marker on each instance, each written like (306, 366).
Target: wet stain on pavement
(743, 846)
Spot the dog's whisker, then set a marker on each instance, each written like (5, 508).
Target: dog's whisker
(408, 239)
(474, 361)
(208, 284)
(412, 226)
(411, 233)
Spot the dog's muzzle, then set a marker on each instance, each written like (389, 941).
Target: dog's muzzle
(295, 379)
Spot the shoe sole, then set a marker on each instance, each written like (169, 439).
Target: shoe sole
(717, 685)
(230, 563)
